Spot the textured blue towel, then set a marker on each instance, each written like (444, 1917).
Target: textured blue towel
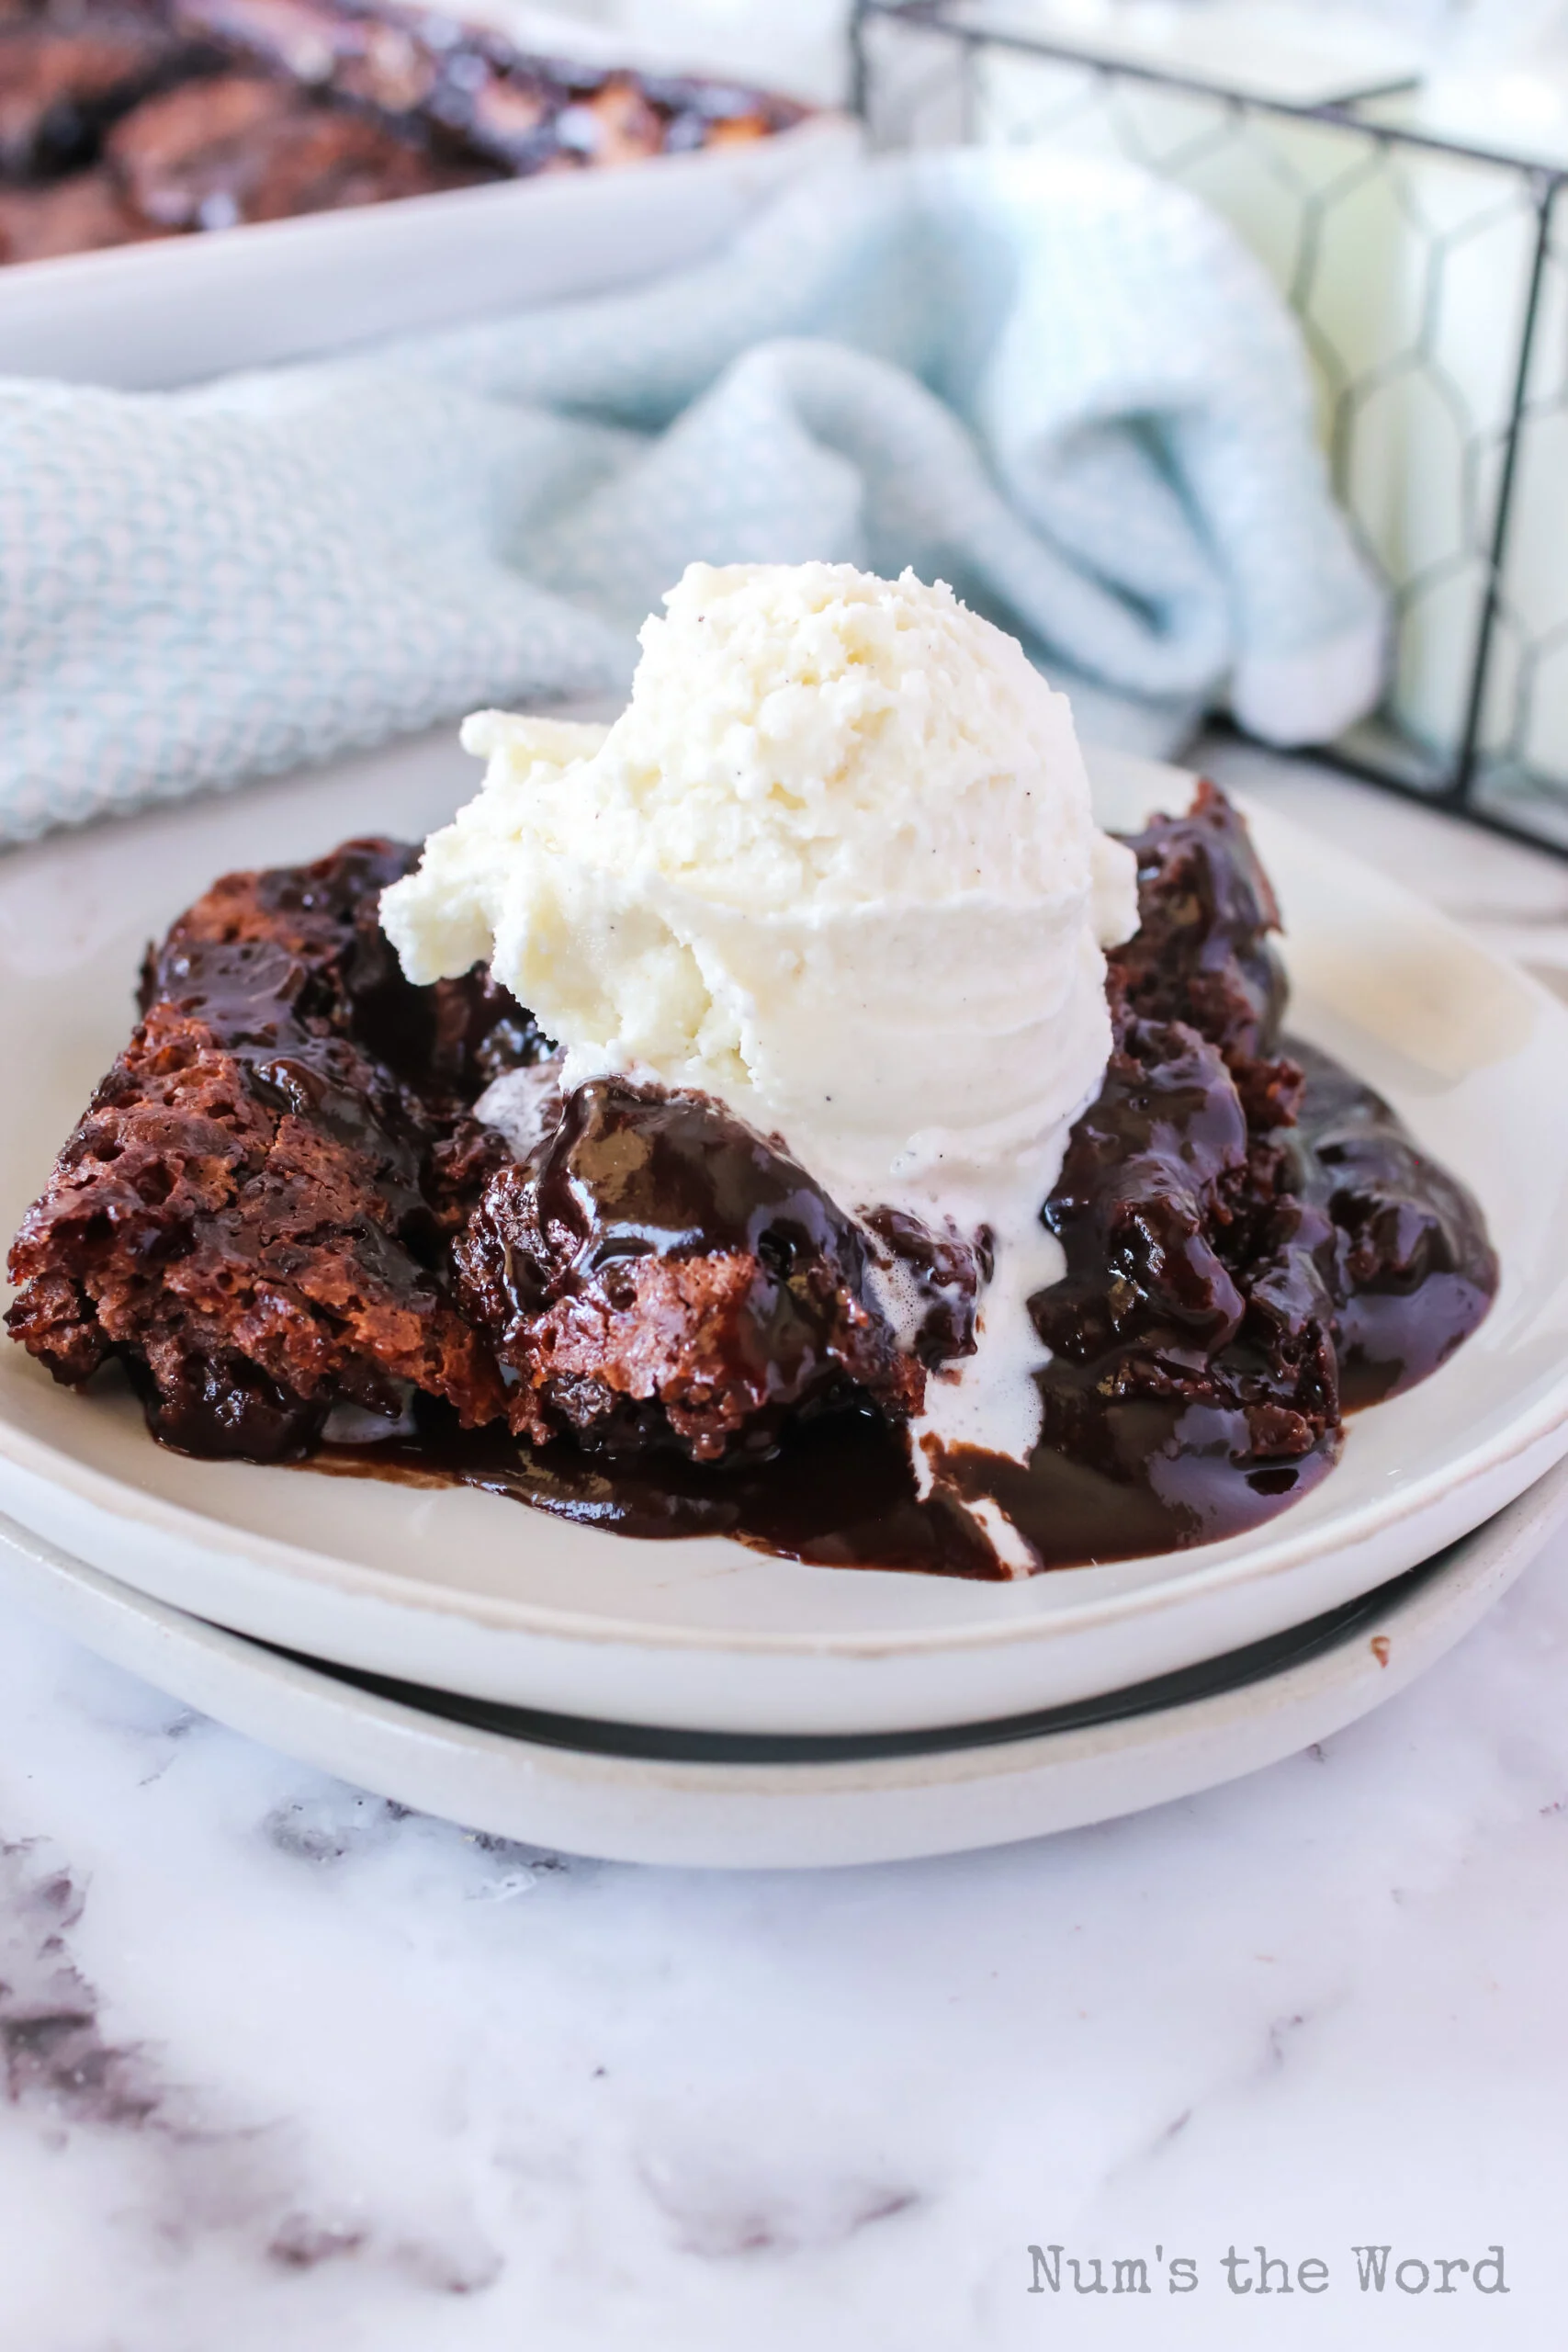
(1060, 385)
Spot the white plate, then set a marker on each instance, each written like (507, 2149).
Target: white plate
(144, 318)
(473, 1593)
(721, 1811)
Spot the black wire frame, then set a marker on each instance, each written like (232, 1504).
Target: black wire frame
(1388, 760)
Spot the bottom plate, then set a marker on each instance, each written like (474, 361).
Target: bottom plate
(704, 1800)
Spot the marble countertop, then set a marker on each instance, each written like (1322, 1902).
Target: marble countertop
(287, 2066)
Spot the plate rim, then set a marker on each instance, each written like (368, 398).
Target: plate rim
(724, 1813)
(502, 1613)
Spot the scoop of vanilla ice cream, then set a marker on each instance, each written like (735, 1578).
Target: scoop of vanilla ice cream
(835, 862)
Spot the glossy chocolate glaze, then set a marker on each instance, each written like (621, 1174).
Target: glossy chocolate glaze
(253, 1213)
(661, 1272)
(1414, 1271)
(1116, 1476)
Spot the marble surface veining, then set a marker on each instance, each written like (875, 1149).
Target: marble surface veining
(285, 2066)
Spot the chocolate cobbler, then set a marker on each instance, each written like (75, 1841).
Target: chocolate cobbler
(282, 1215)
(122, 120)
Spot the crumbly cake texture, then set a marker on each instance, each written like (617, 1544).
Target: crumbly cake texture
(258, 1212)
(663, 1270)
(127, 119)
(251, 1213)
(247, 147)
(282, 1200)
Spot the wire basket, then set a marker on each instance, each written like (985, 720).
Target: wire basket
(1430, 281)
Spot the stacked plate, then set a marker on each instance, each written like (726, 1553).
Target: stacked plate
(694, 1701)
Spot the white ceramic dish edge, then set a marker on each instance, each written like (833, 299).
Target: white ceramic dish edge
(789, 1816)
(948, 1675)
(151, 317)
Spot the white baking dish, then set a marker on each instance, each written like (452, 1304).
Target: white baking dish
(146, 317)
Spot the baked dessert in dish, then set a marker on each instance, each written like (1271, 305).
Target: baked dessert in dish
(321, 1211)
(122, 120)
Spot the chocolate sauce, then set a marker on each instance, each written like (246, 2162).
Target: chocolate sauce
(659, 1270)
(1115, 1477)
(1415, 1272)
(252, 1214)
(838, 1490)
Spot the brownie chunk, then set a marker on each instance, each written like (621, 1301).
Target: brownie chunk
(59, 88)
(1194, 1291)
(1197, 1298)
(185, 159)
(447, 1042)
(246, 148)
(84, 213)
(1254, 1243)
(247, 1215)
(1411, 1269)
(1400, 1245)
(662, 1271)
(1202, 951)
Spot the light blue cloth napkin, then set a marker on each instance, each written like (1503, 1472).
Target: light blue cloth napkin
(1060, 385)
